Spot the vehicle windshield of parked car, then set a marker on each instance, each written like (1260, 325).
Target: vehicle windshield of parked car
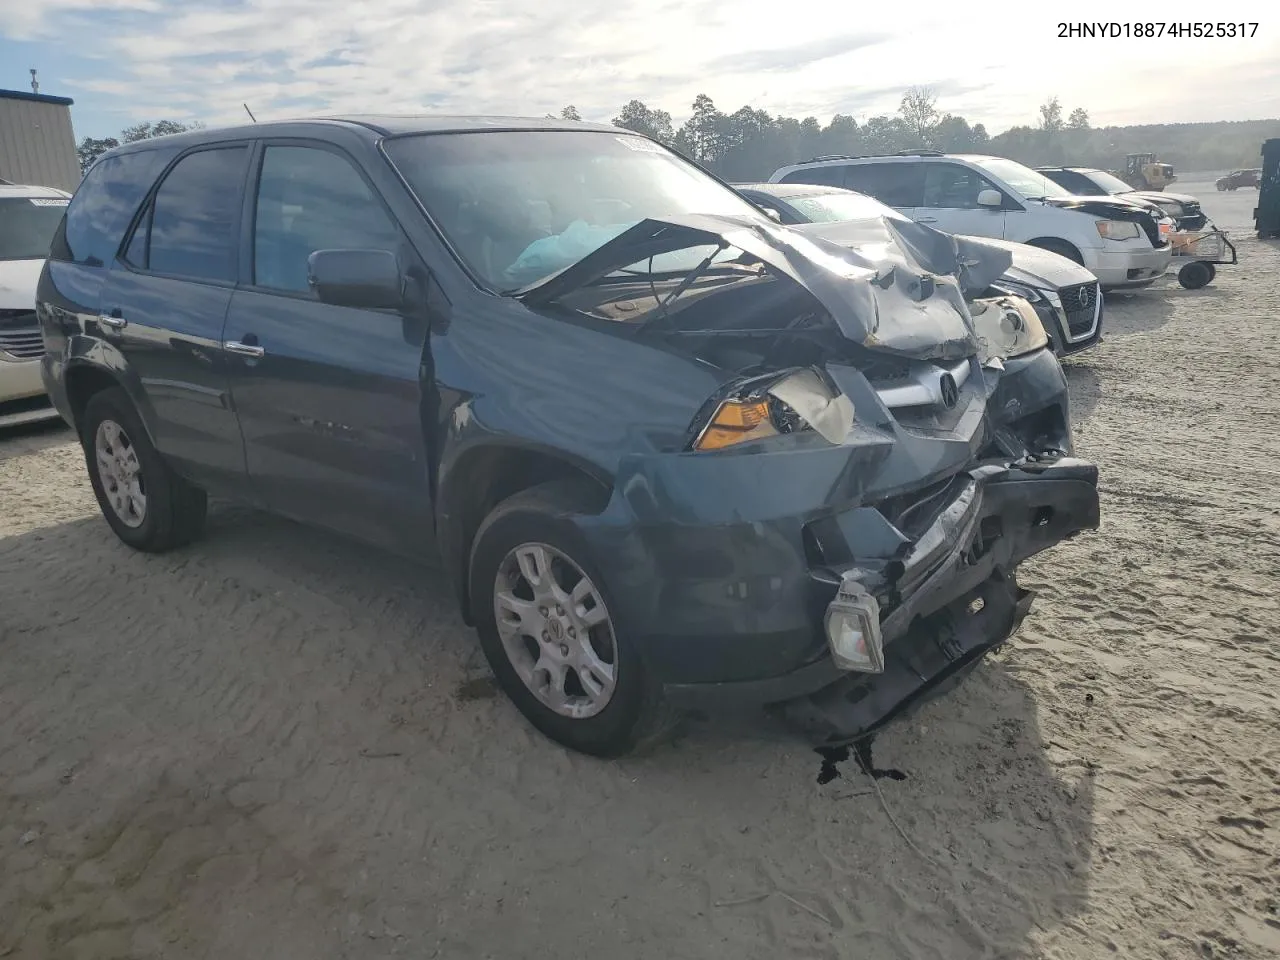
(27, 225)
(1108, 183)
(1022, 180)
(833, 207)
(518, 206)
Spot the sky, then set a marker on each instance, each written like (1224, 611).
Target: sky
(126, 61)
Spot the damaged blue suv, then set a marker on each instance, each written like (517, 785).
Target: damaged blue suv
(663, 447)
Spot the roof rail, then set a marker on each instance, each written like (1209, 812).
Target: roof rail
(834, 156)
(919, 153)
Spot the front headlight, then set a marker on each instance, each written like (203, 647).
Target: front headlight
(1007, 327)
(1118, 229)
(800, 400)
(1017, 289)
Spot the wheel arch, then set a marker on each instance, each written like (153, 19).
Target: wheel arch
(480, 477)
(84, 378)
(1058, 245)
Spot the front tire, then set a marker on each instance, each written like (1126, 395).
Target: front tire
(144, 501)
(548, 627)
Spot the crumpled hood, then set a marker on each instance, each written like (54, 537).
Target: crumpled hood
(888, 285)
(1116, 208)
(1042, 268)
(18, 279)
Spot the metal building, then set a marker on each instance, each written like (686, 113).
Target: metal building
(37, 144)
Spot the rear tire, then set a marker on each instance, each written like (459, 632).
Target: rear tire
(144, 501)
(634, 712)
(1061, 248)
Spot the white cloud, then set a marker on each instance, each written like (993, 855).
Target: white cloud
(201, 59)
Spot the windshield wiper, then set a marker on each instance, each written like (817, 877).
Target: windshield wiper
(685, 284)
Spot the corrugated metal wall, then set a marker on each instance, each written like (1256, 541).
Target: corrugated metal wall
(37, 145)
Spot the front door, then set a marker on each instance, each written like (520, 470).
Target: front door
(328, 397)
(950, 201)
(163, 306)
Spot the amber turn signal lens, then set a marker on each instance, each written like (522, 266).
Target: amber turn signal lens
(736, 422)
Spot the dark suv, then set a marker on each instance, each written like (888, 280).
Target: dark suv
(662, 445)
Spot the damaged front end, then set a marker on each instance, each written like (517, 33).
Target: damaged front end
(840, 526)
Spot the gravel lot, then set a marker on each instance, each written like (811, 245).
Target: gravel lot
(280, 745)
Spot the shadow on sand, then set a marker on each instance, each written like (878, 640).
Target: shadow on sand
(284, 716)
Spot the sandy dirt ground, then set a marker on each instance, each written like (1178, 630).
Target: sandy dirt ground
(280, 745)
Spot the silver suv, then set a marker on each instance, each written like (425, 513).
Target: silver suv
(1122, 243)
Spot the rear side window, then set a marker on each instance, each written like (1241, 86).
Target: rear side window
(191, 226)
(104, 204)
(828, 176)
(311, 199)
(897, 184)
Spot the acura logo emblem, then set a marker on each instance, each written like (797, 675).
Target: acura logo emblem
(950, 390)
(1084, 296)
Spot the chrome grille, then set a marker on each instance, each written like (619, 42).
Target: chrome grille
(1080, 303)
(23, 343)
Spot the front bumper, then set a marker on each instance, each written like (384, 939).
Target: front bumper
(998, 516)
(1135, 266)
(723, 567)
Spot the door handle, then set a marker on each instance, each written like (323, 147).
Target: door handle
(243, 349)
(111, 321)
(926, 219)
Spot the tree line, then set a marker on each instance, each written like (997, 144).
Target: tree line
(749, 144)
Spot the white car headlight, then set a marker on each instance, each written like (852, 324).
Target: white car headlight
(1007, 327)
(1118, 229)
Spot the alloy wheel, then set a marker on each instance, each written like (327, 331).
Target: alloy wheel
(556, 630)
(120, 473)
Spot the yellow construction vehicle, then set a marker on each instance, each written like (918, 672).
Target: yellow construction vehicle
(1143, 172)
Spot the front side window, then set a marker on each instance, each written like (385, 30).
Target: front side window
(1101, 182)
(953, 187)
(897, 184)
(518, 206)
(311, 199)
(193, 217)
(1022, 180)
(27, 226)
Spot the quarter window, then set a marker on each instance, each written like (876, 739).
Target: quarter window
(193, 218)
(308, 200)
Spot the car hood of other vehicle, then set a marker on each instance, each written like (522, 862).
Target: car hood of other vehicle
(1155, 196)
(896, 287)
(18, 279)
(1042, 268)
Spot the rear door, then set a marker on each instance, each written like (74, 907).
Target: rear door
(950, 201)
(328, 397)
(165, 301)
(898, 185)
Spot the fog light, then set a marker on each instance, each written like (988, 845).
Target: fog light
(853, 629)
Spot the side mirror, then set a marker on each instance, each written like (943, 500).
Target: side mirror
(368, 279)
(990, 198)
